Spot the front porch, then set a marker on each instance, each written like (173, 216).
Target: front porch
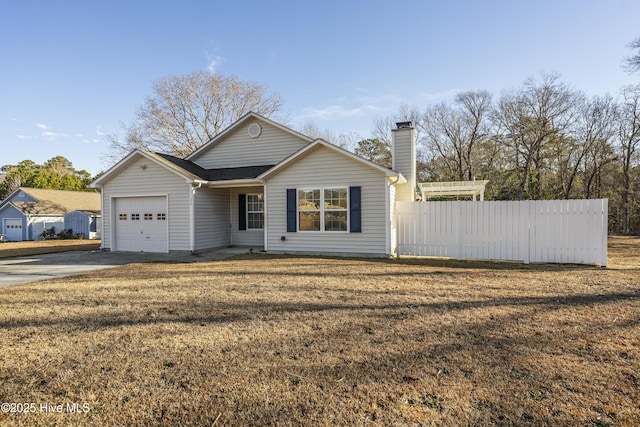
(227, 215)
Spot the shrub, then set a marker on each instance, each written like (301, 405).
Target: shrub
(65, 234)
(48, 233)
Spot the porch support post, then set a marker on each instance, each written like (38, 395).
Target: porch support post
(266, 216)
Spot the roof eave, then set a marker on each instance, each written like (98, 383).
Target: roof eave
(400, 179)
(188, 176)
(247, 182)
(315, 143)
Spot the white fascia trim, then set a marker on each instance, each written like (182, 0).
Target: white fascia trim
(8, 200)
(97, 183)
(315, 143)
(235, 183)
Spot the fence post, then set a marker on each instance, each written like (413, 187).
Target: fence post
(605, 231)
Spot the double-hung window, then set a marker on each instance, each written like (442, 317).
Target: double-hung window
(335, 209)
(255, 211)
(309, 209)
(323, 209)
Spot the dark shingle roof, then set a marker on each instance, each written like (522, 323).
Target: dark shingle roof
(221, 174)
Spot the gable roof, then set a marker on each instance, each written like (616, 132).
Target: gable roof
(192, 172)
(320, 142)
(249, 116)
(56, 202)
(189, 176)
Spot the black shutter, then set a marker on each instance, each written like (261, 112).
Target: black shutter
(291, 210)
(355, 210)
(242, 211)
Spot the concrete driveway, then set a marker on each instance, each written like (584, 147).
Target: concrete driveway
(20, 270)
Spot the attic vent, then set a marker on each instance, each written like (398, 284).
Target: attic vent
(21, 194)
(254, 130)
(404, 125)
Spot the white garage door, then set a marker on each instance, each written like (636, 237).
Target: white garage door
(141, 224)
(13, 229)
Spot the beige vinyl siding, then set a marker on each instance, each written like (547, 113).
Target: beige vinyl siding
(239, 149)
(152, 180)
(325, 168)
(248, 237)
(211, 218)
(404, 161)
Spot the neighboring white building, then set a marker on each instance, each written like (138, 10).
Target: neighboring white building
(261, 184)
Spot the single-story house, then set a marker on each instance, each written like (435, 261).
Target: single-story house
(27, 212)
(261, 184)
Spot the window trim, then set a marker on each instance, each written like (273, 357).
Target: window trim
(322, 210)
(248, 211)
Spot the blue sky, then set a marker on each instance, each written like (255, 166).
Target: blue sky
(72, 71)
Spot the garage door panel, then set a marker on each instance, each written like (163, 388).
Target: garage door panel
(13, 229)
(141, 224)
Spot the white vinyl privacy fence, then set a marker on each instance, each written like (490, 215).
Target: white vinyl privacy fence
(564, 231)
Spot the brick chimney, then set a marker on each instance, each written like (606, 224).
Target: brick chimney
(403, 146)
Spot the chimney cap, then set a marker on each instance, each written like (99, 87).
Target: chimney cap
(404, 125)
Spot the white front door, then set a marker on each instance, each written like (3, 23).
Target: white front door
(141, 224)
(13, 229)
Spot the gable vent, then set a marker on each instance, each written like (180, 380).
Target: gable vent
(254, 130)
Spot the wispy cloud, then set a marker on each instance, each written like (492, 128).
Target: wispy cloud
(52, 135)
(42, 126)
(99, 131)
(214, 62)
(346, 107)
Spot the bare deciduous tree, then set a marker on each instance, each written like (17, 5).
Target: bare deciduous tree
(455, 133)
(348, 140)
(629, 136)
(381, 134)
(631, 63)
(185, 112)
(533, 120)
(382, 126)
(595, 130)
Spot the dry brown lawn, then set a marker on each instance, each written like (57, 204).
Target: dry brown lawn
(277, 340)
(13, 249)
